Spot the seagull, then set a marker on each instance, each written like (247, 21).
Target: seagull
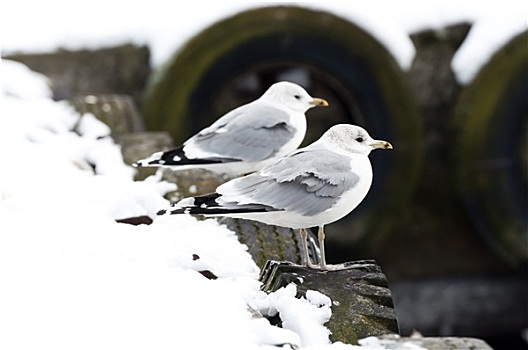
(246, 138)
(313, 186)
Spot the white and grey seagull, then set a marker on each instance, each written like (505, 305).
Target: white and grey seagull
(246, 138)
(313, 186)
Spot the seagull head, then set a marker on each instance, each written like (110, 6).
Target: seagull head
(353, 139)
(292, 96)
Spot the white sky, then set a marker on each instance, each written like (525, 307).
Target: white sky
(33, 26)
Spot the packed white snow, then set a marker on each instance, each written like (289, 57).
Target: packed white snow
(74, 278)
(31, 26)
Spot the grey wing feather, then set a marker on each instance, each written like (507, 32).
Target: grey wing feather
(324, 177)
(254, 133)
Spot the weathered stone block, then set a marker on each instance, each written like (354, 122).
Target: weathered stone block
(361, 300)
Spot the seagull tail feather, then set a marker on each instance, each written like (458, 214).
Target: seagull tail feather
(207, 205)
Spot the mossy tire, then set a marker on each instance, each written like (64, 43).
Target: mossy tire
(491, 151)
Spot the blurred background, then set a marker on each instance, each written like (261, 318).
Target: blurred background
(445, 82)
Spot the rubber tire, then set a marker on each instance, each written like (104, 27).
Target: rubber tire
(491, 151)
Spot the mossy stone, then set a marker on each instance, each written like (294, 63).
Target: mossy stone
(361, 300)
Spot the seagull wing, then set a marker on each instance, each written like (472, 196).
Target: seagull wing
(252, 132)
(307, 182)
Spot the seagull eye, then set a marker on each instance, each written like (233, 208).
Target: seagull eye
(298, 97)
(359, 139)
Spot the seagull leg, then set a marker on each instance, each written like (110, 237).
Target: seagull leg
(304, 242)
(321, 237)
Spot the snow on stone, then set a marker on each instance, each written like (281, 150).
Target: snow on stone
(19, 81)
(90, 126)
(375, 343)
(487, 36)
(305, 316)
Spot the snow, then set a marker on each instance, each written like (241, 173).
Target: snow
(19, 80)
(376, 343)
(485, 37)
(305, 316)
(74, 278)
(102, 23)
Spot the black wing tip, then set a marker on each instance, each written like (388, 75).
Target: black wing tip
(216, 210)
(171, 212)
(207, 205)
(177, 157)
(147, 163)
(168, 158)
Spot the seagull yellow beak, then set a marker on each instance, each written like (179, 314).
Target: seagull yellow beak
(319, 102)
(381, 144)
